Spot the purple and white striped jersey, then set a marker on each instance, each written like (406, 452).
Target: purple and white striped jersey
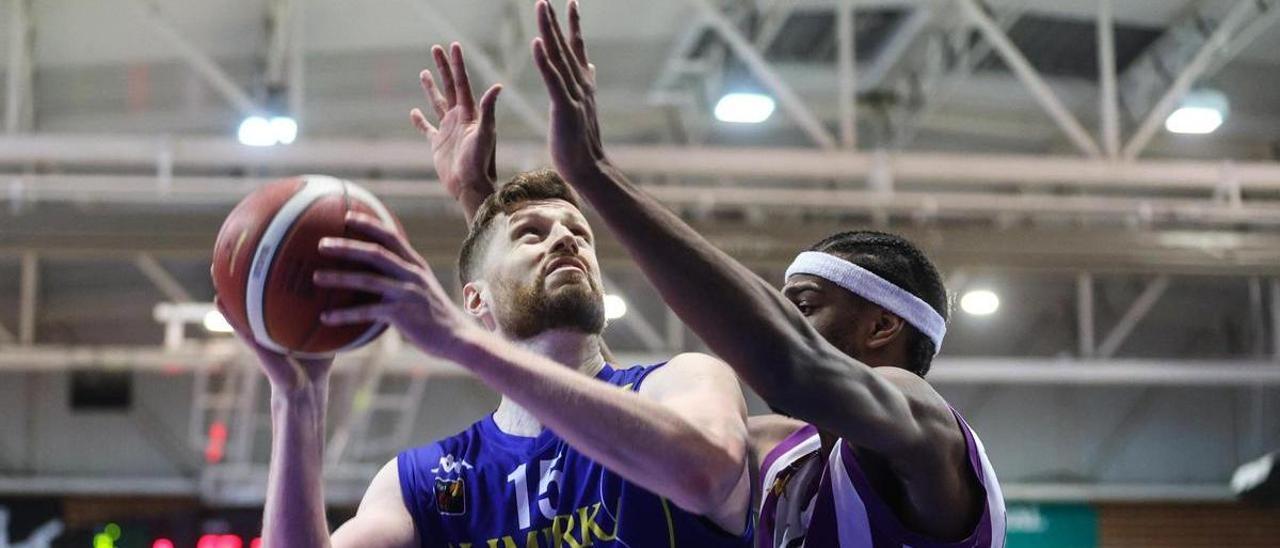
(812, 502)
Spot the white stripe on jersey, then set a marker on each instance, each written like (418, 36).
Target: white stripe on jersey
(995, 497)
(851, 512)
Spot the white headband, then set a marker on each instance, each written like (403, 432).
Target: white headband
(866, 284)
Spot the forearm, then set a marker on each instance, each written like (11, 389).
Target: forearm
(638, 438)
(294, 513)
(471, 197)
(743, 319)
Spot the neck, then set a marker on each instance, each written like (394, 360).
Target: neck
(578, 351)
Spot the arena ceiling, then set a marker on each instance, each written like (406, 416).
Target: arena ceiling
(987, 131)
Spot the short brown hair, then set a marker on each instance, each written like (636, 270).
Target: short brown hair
(539, 184)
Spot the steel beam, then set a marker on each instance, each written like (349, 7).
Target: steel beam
(1268, 17)
(97, 485)
(1154, 71)
(1257, 316)
(296, 76)
(1275, 319)
(479, 61)
(1112, 372)
(1031, 79)
(162, 279)
(760, 68)
(1084, 314)
(846, 68)
(1108, 96)
(1117, 492)
(204, 65)
(1213, 49)
(280, 29)
(947, 370)
(18, 108)
(1136, 312)
(245, 425)
(28, 295)
(935, 204)
(1053, 171)
(773, 18)
(895, 47)
(6, 336)
(934, 88)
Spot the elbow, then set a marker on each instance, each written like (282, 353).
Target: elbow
(705, 488)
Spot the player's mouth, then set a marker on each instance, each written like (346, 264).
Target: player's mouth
(564, 263)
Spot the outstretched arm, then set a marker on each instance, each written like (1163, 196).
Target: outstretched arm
(741, 317)
(682, 437)
(464, 145)
(294, 513)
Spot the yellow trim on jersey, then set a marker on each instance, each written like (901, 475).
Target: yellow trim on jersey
(671, 528)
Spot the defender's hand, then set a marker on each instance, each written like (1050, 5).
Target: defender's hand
(463, 145)
(412, 298)
(570, 78)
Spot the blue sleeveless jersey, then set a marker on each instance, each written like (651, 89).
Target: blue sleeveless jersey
(483, 488)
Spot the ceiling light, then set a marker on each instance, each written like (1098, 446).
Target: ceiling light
(215, 323)
(285, 129)
(1202, 111)
(614, 307)
(1193, 120)
(257, 131)
(744, 108)
(980, 302)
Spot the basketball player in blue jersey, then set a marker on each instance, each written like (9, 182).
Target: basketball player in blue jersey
(579, 452)
(877, 457)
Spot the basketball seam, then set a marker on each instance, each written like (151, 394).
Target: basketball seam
(269, 267)
(328, 295)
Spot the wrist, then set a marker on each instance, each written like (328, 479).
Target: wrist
(475, 188)
(587, 173)
(464, 345)
(307, 392)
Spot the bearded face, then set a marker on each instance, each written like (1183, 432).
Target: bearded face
(529, 309)
(543, 273)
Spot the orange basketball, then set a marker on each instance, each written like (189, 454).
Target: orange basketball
(266, 254)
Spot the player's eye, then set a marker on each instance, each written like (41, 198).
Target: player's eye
(804, 308)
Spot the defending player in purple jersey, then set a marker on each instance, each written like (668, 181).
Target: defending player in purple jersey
(886, 461)
(578, 453)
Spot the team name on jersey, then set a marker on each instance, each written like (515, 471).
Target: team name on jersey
(576, 529)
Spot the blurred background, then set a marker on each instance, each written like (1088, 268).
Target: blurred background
(1097, 179)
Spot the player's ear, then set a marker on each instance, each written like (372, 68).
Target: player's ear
(887, 327)
(473, 299)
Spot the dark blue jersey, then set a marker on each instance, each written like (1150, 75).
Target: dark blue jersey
(484, 488)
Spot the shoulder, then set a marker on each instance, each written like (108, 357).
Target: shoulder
(939, 430)
(767, 432)
(690, 368)
(770, 430)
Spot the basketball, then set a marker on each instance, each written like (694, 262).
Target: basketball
(266, 253)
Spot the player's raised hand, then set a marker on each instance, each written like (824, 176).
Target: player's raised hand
(283, 372)
(412, 298)
(464, 142)
(570, 78)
